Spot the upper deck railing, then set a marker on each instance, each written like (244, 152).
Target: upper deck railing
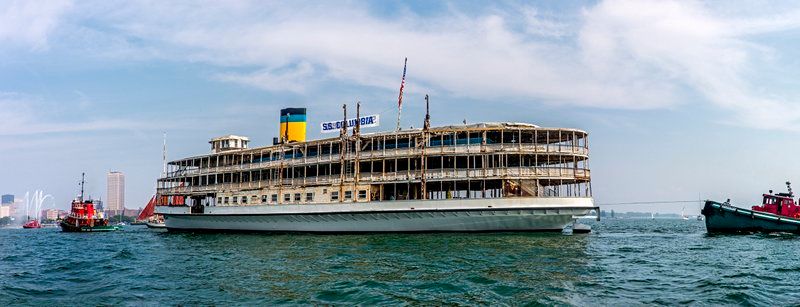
(520, 148)
(541, 173)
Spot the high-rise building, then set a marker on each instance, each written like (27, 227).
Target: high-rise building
(7, 199)
(115, 198)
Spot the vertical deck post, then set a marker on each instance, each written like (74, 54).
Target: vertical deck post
(342, 148)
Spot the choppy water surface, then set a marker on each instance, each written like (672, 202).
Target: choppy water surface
(622, 262)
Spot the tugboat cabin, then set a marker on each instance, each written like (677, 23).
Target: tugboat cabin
(780, 204)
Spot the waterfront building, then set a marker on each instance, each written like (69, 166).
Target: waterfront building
(18, 210)
(51, 214)
(5, 211)
(7, 199)
(115, 196)
(478, 177)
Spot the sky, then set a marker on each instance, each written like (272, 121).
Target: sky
(682, 100)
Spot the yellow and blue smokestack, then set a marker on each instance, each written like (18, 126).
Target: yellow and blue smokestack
(293, 125)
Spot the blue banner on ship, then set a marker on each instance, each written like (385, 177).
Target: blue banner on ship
(336, 126)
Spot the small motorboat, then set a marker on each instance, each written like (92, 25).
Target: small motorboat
(777, 213)
(156, 225)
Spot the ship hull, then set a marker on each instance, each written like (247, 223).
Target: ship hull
(724, 218)
(464, 215)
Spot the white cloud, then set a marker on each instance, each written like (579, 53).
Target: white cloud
(28, 23)
(684, 43)
(291, 79)
(22, 114)
(613, 54)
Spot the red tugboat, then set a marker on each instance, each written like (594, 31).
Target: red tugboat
(777, 213)
(32, 224)
(84, 218)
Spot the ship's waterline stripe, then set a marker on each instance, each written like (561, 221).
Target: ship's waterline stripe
(467, 210)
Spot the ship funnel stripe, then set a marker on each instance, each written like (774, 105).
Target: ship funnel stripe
(293, 111)
(293, 118)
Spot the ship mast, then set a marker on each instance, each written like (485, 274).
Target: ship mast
(357, 137)
(83, 175)
(342, 147)
(425, 128)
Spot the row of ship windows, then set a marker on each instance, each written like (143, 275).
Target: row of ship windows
(348, 195)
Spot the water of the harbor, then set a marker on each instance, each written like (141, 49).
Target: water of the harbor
(623, 262)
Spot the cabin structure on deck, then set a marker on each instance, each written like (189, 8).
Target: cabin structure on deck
(484, 160)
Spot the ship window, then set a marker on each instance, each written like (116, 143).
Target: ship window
(287, 197)
(335, 195)
(235, 199)
(244, 199)
(263, 198)
(296, 197)
(226, 199)
(309, 196)
(362, 194)
(348, 194)
(274, 198)
(219, 200)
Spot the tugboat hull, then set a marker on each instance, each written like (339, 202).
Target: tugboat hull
(65, 227)
(724, 218)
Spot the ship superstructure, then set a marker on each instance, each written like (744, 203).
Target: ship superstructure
(476, 177)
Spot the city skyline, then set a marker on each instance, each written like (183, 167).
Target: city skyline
(682, 100)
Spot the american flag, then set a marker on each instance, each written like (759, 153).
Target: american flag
(402, 84)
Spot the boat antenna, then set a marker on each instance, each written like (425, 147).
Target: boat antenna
(789, 186)
(83, 175)
(400, 97)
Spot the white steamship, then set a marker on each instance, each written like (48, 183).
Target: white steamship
(462, 178)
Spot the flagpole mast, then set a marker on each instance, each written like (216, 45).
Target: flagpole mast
(400, 97)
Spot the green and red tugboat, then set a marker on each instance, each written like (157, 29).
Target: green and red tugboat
(84, 218)
(777, 213)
